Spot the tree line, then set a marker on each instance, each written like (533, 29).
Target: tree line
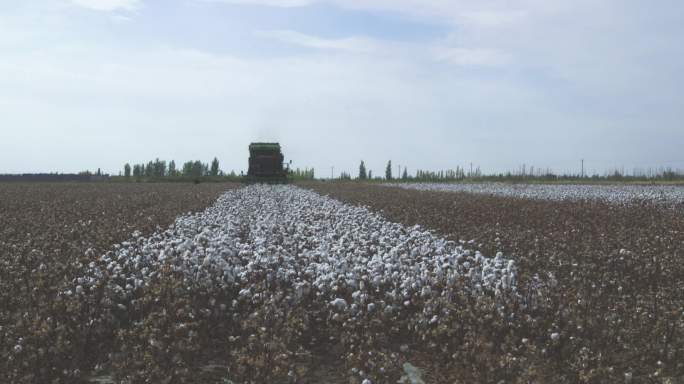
(522, 173)
(302, 174)
(160, 168)
(420, 175)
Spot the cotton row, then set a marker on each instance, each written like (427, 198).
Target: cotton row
(618, 194)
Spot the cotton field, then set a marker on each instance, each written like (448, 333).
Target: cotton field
(335, 283)
(619, 194)
(283, 248)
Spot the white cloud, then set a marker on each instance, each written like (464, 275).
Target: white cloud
(440, 52)
(121, 19)
(348, 44)
(270, 3)
(492, 18)
(471, 57)
(109, 5)
(472, 12)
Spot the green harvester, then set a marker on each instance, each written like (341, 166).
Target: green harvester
(266, 164)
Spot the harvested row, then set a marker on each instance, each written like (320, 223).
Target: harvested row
(617, 194)
(268, 273)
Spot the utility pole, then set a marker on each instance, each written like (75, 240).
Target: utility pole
(332, 172)
(471, 170)
(582, 168)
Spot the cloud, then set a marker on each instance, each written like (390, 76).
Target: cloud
(270, 3)
(109, 5)
(471, 12)
(492, 18)
(349, 44)
(470, 57)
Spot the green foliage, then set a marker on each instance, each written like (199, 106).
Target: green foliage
(388, 170)
(457, 174)
(172, 169)
(362, 171)
(214, 167)
(305, 174)
(159, 170)
(195, 169)
(149, 169)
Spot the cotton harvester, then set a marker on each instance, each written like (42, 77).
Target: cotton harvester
(266, 164)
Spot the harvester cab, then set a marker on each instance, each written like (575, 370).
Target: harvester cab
(266, 164)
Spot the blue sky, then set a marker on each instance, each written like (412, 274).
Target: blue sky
(430, 84)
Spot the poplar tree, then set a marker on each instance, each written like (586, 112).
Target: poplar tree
(362, 171)
(388, 171)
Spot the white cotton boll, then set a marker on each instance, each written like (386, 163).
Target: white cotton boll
(339, 304)
(555, 336)
(371, 307)
(79, 290)
(505, 282)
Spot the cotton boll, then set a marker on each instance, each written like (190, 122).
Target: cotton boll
(339, 304)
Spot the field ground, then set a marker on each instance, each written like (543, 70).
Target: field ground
(598, 292)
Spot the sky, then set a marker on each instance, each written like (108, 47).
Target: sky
(428, 84)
